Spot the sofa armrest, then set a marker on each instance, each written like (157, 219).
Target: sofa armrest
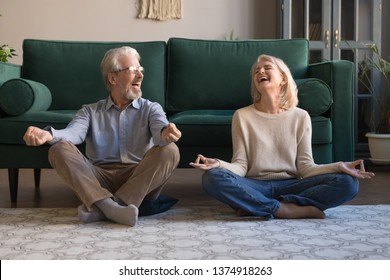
(339, 76)
(9, 71)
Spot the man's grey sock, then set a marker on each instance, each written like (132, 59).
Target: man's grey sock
(119, 201)
(126, 215)
(90, 216)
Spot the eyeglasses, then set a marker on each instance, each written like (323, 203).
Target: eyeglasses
(133, 69)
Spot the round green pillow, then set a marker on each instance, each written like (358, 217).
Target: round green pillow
(19, 96)
(314, 96)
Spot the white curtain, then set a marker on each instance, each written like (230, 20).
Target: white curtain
(160, 9)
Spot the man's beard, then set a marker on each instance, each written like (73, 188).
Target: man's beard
(131, 95)
(128, 93)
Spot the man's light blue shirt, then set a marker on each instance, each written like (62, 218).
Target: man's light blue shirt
(115, 135)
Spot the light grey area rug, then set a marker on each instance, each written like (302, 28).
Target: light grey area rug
(196, 232)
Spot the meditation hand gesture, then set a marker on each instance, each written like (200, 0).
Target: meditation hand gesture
(350, 168)
(35, 136)
(204, 163)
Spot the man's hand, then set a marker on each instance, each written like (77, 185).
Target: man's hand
(35, 136)
(171, 133)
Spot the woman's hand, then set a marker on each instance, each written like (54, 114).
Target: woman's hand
(204, 163)
(350, 168)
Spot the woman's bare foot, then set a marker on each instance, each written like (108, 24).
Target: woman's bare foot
(293, 211)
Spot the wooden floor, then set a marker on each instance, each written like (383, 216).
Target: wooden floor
(185, 185)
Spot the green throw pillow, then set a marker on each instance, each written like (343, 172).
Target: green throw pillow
(314, 96)
(19, 96)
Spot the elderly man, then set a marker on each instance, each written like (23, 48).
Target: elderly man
(130, 152)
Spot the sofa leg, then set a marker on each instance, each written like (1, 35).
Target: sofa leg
(37, 177)
(13, 178)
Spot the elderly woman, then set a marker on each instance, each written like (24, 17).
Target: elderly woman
(272, 173)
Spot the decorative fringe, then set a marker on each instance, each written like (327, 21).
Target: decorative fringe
(160, 9)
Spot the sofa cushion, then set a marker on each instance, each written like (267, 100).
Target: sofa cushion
(16, 126)
(195, 124)
(314, 96)
(203, 117)
(71, 69)
(18, 96)
(207, 74)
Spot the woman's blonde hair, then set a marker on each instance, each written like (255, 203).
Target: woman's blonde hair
(289, 92)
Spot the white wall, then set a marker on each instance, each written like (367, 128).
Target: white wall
(116, 20)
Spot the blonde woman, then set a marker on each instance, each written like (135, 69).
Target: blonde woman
(272, 173)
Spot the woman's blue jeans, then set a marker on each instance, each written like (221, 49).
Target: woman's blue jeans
(263, 197)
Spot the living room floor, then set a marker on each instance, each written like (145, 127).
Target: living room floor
(185, 185)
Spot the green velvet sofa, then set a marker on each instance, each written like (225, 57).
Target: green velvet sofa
(200, 83)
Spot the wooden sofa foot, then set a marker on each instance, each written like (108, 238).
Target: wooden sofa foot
(37, 177)
(13, 178)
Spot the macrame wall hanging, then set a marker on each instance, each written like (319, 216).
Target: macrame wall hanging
(159, 9)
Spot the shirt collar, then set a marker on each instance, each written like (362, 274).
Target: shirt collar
(109, 103)
(135, 103)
